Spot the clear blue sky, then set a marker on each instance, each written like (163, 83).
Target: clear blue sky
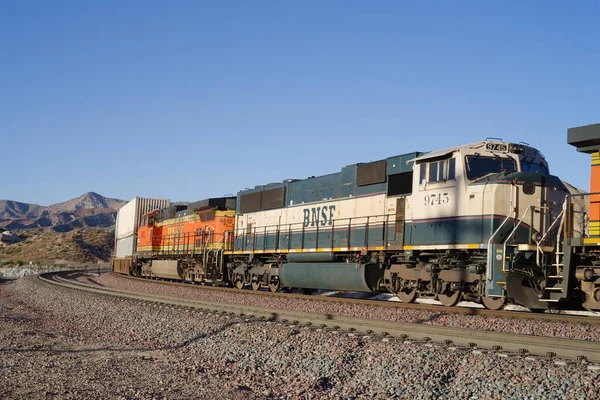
(189, 99)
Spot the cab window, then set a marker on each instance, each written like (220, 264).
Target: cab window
(478, 166)
(529, 166)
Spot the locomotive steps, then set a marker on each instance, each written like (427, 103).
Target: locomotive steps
(503, 343)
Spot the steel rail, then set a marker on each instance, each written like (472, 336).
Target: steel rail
(553, 317)
(512, 343)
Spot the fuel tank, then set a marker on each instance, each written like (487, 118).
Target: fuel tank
(167, 269)
(334, 276)
(311, 257)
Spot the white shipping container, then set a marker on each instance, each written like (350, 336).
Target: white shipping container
(129, 217)
(125, 247)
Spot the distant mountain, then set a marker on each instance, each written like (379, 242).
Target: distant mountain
(88, 210)
(89, 200)
(14, 209)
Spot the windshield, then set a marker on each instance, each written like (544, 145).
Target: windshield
(478, 166)
(529, 166)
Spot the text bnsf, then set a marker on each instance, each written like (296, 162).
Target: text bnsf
(318, 216)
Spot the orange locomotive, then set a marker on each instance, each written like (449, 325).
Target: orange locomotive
(186, 244)
(582, 230)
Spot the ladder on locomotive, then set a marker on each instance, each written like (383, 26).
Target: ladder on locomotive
(555, 284)
(213, 251)
(554, 271)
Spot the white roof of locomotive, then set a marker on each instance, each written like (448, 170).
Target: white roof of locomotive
(450, 150)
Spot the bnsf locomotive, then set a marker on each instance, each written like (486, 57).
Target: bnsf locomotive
(484, 222)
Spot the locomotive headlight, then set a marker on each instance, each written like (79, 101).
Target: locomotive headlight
(536, 236)
(515, 148)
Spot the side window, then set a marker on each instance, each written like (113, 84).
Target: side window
(452, 169)
(423, 174)
(439, 171)
(434, 172)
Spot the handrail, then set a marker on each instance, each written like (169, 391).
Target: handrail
(319, 234)
(272, 228)
(511, 234)
(529, 209)
(559, 217)
(558, 232)
(572, 210)
(194, 243)
(489, 269)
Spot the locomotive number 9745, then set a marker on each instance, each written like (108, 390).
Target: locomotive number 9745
(496, 147)
(436, 199)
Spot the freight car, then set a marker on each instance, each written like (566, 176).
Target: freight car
(482, 222)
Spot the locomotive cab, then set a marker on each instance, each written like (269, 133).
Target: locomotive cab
(477, 214)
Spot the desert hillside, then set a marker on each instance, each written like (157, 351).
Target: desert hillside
(50, 247)
(79, 230)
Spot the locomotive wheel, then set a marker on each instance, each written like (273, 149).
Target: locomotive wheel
(239, 281)
(274, 286)
(256, 285)
(493, 303)
(449, 299)
(407, 295)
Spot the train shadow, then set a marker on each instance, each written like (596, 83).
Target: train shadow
(431, 318)
(201, 336)
(437, 315)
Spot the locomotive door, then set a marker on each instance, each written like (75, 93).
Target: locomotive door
(399, 222)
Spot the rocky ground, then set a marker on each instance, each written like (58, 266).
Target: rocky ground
(11, 273)
(563, 330)
(58, 343)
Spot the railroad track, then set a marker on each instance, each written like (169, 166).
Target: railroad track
(504, 344)
(547, 316)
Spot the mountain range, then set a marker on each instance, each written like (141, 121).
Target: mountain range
(88, 210)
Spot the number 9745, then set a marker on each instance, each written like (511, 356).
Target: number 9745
(436, 199)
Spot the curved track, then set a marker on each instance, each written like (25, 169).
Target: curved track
(547, 316)
(506, 344)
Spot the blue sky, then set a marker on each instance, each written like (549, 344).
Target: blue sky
(189, 99)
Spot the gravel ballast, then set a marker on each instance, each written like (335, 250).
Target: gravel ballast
(59, 343)
(576, 331)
